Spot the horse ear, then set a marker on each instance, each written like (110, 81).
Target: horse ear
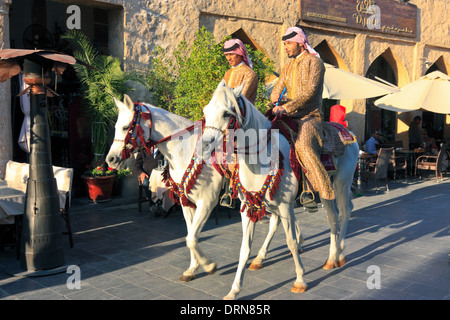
(237, 91)
(128, 102)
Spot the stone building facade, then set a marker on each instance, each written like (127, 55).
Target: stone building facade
(414, 40)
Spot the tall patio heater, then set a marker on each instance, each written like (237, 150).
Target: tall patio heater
(41, 245)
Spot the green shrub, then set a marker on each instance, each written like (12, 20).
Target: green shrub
(186, 85)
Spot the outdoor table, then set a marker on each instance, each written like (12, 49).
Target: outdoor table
(159, 189)
(12, 201)
(411, 155)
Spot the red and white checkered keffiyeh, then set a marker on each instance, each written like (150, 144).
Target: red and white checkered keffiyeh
(296, 34)
(237, 46)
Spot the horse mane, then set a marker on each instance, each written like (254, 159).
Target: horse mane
(251, 117)
(159, 114)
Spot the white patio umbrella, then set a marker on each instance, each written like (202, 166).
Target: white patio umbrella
(431, 92)
(341, 84)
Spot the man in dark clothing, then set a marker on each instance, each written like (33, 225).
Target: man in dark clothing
(415, 133)
(143, 167)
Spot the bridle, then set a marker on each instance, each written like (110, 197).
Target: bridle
(233, 124)
(135, 132)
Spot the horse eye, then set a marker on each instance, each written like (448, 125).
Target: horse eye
(226, 114)
(125, 128)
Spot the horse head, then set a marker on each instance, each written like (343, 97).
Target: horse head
(126, 111)
(221, 113)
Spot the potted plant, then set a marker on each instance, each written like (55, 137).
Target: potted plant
(99, 183)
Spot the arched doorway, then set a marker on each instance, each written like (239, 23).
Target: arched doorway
(376, 118)
(330, 56)
(434, 123)
(247, 39)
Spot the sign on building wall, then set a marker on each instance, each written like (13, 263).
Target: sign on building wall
(387, 16)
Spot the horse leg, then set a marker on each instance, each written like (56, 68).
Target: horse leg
(289, 221)
(189, 274)
(273, 226)
(201, 216)
(274, 223)
(345, 209)
(338, 212)
(248, 228)
(330, 206)
(299, 235)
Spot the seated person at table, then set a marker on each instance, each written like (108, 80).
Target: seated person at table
(415, 133)
(372, 142)
(430, 144)
(143, 167)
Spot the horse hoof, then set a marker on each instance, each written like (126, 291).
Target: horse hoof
(329, 265)
(185, 278)
(299, 288)
(341, 263)
(255, 266)
(228, 297)
(213, 270)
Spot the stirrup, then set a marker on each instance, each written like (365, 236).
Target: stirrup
(309, 204)
(226, 200)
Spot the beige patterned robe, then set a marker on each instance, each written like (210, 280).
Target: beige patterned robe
(303, 77)
(234, 77)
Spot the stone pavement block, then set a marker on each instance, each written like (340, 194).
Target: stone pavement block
(102, 281)
(89, 293)
(129, 291)
(330, 292)
(20, 285)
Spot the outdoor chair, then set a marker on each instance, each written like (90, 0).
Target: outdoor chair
(378, 170)
(397, 163)
(142, 196)
(64, 178)
(438, 163)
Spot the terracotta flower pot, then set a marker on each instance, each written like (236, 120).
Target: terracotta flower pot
(99, 188)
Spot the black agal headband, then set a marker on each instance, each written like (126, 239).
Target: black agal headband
(288, 36)
(235, 46)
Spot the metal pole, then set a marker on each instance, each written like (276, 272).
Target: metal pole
(41, 245)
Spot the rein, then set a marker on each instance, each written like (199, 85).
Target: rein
(136, 133)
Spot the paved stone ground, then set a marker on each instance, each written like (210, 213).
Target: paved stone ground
(127, 255)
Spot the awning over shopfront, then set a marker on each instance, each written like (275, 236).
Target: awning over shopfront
(431, 93)
(341, 84)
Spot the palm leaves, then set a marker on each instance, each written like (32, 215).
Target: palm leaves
(99, 86)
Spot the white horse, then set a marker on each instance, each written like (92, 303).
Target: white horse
(227, 103)
(178, 152)
(204, 194)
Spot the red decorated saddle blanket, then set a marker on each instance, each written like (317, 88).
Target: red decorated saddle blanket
(336, 137)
